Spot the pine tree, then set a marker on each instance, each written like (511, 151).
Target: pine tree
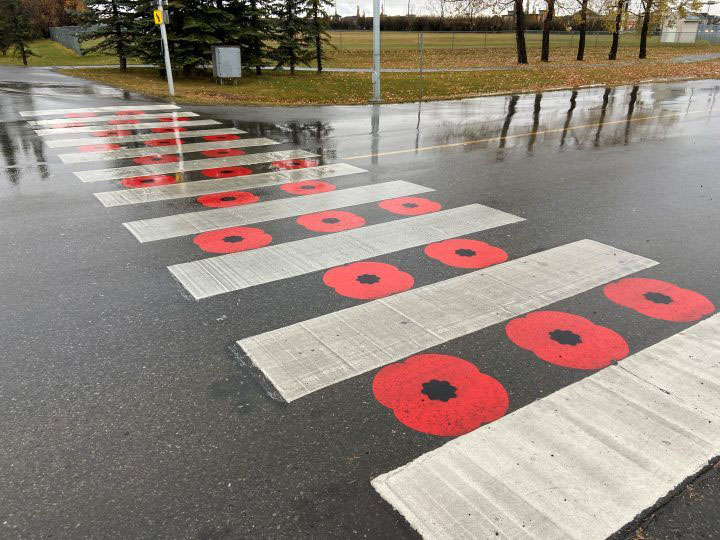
(292, 35)
(15, 28)
(258, 28)
(108, 23)
(318, 21)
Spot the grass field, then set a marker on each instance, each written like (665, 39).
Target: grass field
(50, 53)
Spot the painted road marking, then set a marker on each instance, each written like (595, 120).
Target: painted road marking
(99, 175)
(47, 112)
(82, 157)
(147, 230)
(104, 119)
(122, 197)
(59, 143)
(580, 463)
(134, 127)
(225, 273)
(305, 357)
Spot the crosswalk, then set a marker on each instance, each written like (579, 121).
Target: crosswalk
(472, 487)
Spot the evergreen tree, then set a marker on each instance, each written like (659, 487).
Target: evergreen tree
(292, 35)
(109, 24)
(318, 22)
(15, 28)
(258, 27)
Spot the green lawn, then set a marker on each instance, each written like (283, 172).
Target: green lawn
(50, 53)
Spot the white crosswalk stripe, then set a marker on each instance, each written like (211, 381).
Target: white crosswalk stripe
(117, 173)
(122, 197)
(60, 143)
(105, 119)
(162, 228)
(50, 112)
(85, 157)
(125, 127)
(580, 463)
(311, 355)
(225, 273)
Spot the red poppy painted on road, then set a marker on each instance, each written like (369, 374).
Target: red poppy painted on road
(111, 133)
(156, 159)
(164, 142)
(226, 172)
(410, 206)
(567, 340)
(659, 299)
(168, 130)
(368, 280)
(228, 198)
(228, 137)
(171, 119)
(440, 394)
(232, 239)
(308, 187)
(99, 147)
(330, 221)
(465, 253)
(223, 152)
(148, 181)
(288, 164)
(121, 121)
(80, 115)
(129, 112)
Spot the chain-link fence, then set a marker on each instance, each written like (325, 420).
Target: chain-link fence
(67, 36)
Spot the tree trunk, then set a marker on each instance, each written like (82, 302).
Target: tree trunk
(520, 32)
(545, 54)
(18, 35)
(644, 30)
(318, 51)
(616, 32)
(22, 53)
(119, 44)
(583, 29)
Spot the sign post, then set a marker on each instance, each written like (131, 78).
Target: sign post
(376, 52)
(160, 20)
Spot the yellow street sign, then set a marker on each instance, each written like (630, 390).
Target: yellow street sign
(158, 15)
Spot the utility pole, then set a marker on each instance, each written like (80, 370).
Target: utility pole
(376, 53)
(160, 19)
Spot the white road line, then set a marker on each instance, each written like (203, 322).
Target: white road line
(580, 463)
(122, 197)
(104, 119)
(59, 143)
(225, 273)
(147, 230)
(99, 175)
(84, 157)
(48, 112)
(132, 127)
(305, 357)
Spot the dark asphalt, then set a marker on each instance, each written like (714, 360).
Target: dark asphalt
(125, 412)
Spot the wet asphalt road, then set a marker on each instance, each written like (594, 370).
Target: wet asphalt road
(125, 411)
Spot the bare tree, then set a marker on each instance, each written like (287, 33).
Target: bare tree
(583, 29)
(545, 52)
(617, 11)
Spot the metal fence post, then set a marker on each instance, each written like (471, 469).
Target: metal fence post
(340, 47)
(452, 43)
(485, 44)
(421, 46)
(597, 34)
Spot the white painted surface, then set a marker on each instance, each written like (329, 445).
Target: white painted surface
(305, 357)
(85, 157)
(580, 463)
(235, 271)
(122, 197)
(49, 112)
(105, 119)
(59, 143)
(117, 173)
(147, 230)
(126, 127)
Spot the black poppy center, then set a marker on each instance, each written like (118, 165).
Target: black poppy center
(658, 298)
(439, 390)
(226, 199)
(233, 239)
(307, 187)
(368, 279)
(331, 220)
(465, 252)
(565, 337)
(227, 171)
(410, 205)
(147, 181)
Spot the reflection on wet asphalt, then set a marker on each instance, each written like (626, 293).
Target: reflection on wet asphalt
(128, 412)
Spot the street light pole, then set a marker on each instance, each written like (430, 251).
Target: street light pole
(376, 52)
(163, 35)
